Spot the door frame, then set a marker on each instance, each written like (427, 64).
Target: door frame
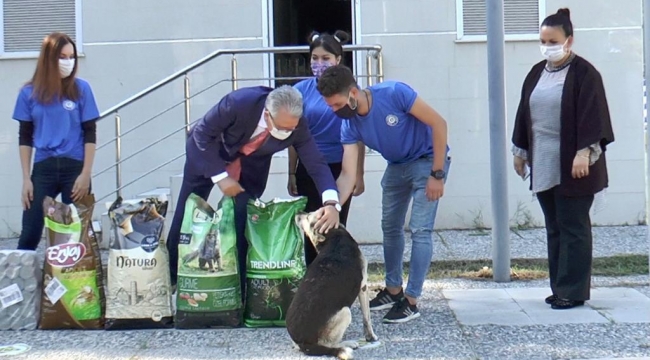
(268, 38)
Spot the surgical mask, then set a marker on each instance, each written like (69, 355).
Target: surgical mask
(319, 67)
(280, 134)
(348, 112)
(65, 67)
(553, 52)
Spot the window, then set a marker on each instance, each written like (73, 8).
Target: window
(26, 22)
(521, 19)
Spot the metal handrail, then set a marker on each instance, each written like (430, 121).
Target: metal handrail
(376, 54)
(215, 54)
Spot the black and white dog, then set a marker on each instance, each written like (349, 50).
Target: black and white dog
(320, 313)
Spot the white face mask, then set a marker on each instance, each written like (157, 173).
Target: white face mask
(280, 134)
(553, 52)
(65, 67)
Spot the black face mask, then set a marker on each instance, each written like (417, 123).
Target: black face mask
(347, 112)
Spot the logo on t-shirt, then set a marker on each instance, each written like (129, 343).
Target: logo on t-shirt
(392, 120)
(68, 105)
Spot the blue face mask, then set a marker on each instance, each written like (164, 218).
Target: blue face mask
(319, 67)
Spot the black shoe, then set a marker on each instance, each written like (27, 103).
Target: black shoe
(551, 299)
(563, 304)
(402, 312)
(385, 300)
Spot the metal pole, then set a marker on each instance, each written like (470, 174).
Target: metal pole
(118, 154)
(233, 71)
(369, 69)
(646, 74)
(187, 104)
(380, 67)
(498, 142)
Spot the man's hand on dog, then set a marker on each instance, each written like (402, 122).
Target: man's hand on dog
(328, 218)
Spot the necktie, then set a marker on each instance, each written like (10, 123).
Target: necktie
(234, 168)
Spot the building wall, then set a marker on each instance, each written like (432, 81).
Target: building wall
(155, 38)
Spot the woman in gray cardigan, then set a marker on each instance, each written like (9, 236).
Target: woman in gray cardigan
(562, 128)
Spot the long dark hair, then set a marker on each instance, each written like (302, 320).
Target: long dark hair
(47, 82)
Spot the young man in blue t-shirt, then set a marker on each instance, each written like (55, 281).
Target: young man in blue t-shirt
(393, 120)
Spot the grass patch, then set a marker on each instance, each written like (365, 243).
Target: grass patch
(521, 269)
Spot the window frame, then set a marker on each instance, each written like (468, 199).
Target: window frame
(34, 54)
(461, 37)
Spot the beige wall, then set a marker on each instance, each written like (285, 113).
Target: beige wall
(420, 48)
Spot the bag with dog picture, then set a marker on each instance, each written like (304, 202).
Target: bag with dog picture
(275, 263)
(208, 288)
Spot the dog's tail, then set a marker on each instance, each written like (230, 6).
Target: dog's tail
(343, 353)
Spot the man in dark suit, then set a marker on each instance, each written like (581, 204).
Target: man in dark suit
(233, 145)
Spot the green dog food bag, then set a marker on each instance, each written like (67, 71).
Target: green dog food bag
(275, 261)
(208, 291)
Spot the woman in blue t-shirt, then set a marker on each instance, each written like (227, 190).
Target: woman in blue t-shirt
(325, 50)
(56, 112)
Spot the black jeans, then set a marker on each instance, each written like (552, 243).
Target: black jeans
(50, 177)
(568, 232)
(307, 187)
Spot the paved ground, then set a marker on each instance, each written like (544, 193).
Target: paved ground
(462, 319)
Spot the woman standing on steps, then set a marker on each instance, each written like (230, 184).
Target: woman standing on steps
(325, 50)
(562, 128)
(56, 112)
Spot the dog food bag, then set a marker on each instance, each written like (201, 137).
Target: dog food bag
(208, 292)
(138, 288)
(275, 261)
(20, 277)
(73, 293)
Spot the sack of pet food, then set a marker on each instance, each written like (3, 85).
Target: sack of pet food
(73, 293)
(275, 262)
(208, 290)
(138, 287)
(20, 277)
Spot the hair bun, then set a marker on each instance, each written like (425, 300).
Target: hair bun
(314, 37)
(564, 11)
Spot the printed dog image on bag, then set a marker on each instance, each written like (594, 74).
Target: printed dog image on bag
(73, 289)
(208, 288)
(275, 262)
(139, 288)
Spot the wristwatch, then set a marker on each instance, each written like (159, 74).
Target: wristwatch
(438, 174)
(336, 205)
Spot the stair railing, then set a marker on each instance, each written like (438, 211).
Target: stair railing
(373, 52)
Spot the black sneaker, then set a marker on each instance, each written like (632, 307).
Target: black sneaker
(385, 300)
(402, 312)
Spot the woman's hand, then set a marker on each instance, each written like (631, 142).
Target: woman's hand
(359, 187)
(292, 188)
(81, 187)
(520, 166)
(580, 166)
(27, 195)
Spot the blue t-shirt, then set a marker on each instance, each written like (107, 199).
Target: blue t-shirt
(57, 126)
(389, 128)
(324, 125)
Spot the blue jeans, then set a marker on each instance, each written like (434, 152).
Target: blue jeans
(400, 183)
(50, 177)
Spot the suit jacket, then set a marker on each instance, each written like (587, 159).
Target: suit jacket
(585, 121)
(215, 140)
